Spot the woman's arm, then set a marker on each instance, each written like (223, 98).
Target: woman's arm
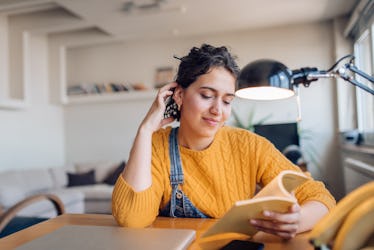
(135, 199)
(297, 220)
(138, 168)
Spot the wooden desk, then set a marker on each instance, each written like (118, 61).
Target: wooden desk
(200, 225)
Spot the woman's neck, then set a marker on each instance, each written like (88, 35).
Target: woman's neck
(192, 141)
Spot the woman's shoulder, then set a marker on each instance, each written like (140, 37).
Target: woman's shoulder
(163, 131)
(161, 135)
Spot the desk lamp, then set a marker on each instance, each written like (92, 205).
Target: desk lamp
(271, 80)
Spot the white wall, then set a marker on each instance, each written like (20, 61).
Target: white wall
(103, 131)
(4, 91)
(33, 136)
(106, 130)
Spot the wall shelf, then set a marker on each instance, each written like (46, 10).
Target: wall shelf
(12, 104)
(110, 97)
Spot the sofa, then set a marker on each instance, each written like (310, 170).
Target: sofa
(82, 187)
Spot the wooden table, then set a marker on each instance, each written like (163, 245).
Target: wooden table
(200, 225)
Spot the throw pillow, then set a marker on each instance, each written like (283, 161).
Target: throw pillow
(113, 176)
(80, 179)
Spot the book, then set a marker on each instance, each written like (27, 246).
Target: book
(275, 196)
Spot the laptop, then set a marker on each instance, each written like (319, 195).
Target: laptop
(72, 237)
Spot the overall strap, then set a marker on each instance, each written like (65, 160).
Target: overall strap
(176, 172)
(180, 205)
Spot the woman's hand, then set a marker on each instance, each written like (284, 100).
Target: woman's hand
(154, 119)
(284, 225)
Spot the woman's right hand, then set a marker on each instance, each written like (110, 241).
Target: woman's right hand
(154, 119)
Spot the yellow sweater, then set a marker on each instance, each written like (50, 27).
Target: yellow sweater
(214, 178)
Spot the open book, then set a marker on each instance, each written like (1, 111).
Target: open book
(276, 196)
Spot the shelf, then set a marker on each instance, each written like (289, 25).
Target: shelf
(111, 97)
(12, 104)
(358, 149)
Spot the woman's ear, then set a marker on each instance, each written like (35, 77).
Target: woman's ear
(178, 95)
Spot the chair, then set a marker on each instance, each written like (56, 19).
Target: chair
(10, 222)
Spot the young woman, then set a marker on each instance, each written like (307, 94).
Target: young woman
(202, 167)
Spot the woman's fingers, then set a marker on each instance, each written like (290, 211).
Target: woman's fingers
(284, 225)
(168, 86)
(292, 216)
(155, 116)
(164, 93)
(275, 226)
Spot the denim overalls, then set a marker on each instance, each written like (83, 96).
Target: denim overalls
(180, 205)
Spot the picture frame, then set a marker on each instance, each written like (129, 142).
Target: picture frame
(163, 75)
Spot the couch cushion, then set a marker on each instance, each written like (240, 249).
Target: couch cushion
(95, 192)
(113, 175)
(81, 179)
(29, 180)
(10, 196)
(102, 169)
(73, 201)
(59, 176)
(97, 198)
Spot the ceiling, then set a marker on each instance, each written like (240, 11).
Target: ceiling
(139, 19)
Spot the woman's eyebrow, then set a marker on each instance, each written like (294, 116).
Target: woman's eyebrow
(214, 90)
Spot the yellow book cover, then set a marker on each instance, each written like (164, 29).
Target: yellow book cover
(276, 196)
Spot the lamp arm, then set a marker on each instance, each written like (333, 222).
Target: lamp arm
(354, 69)
(342, 73)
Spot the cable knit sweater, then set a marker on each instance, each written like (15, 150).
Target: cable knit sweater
(214, 178)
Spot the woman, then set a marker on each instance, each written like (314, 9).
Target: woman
(201, 168)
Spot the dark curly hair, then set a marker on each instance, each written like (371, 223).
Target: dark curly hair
(200, 60)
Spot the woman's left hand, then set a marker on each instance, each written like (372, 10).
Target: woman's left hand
(284, 225)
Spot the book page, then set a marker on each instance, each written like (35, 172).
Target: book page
(283, 184)
(275, 196)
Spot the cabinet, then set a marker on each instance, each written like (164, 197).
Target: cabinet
(358, 165)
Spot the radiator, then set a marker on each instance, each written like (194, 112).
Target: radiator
(357, 173)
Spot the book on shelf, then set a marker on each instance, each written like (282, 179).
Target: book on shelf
(276, 196)
(100, 88)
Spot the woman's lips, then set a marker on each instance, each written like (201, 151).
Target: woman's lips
(211, 122)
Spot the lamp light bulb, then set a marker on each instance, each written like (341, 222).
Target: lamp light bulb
(264, 93)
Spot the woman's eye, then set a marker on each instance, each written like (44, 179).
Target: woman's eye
(206, 96)
(227, 102)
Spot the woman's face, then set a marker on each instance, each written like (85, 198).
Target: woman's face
(206, 103)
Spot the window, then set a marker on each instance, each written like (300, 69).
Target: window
(363, 49)
(362, 33)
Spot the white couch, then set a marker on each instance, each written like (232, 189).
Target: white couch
(16, 185)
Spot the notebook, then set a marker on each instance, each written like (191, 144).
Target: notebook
(72, 237)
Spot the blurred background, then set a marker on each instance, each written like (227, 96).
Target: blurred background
(78, 76)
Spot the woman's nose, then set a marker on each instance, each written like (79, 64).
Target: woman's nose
(216, 107)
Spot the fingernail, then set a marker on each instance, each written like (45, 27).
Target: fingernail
(267, 213)
(253, 221)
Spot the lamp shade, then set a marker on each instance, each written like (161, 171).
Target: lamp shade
(265, 80)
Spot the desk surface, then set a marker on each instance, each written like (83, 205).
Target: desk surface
(200, 225)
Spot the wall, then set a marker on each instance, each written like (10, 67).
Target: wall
(95, 131)
(4, 57)
(33, 136)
